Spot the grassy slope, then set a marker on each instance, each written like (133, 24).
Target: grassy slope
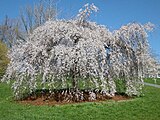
(151, 80)
(143, 108)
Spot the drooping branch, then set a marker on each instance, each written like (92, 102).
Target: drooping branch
(85, 12)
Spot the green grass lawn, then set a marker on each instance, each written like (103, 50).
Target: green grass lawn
(151, 80)
(142, 108)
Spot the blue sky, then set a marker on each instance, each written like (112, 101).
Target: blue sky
(112, 13)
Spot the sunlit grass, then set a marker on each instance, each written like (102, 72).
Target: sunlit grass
(153, 81)
(142, 108)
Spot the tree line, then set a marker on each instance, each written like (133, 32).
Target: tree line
(31, 17)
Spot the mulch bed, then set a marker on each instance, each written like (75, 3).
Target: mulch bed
(59, 97)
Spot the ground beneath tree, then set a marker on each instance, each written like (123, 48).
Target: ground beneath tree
(59, 98)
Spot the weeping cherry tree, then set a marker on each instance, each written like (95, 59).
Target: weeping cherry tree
(78, 54)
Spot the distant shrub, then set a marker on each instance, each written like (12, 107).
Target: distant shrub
(4, 60)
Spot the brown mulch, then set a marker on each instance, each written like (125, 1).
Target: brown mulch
(59, 99)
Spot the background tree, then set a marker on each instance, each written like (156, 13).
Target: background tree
(10, 31)
(3, 59)
(17, 30)
(33, 17)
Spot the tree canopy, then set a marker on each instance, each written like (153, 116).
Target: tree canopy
(83, 52)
